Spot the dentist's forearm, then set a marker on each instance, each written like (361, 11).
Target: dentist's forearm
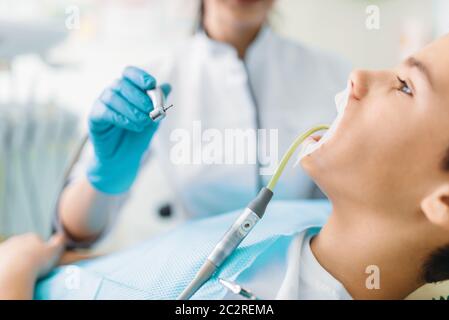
(84, 212)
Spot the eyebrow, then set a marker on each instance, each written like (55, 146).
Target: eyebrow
(412, 62)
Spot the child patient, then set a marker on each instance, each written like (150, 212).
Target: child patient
(386, 173)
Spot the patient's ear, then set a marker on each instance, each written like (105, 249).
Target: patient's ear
(436, 206)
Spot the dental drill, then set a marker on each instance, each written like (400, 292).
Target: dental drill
(159, 109)
(244, 223)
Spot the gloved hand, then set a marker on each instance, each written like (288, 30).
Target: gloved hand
(121, 130)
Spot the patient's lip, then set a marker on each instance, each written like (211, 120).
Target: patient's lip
(316, 137)
(309, 141)
(351, 91)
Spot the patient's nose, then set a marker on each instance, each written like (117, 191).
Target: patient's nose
(359, 80)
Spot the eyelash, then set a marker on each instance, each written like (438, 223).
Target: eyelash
(404, 84)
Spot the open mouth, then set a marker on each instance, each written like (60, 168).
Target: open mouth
(313, 143)
(310, 141)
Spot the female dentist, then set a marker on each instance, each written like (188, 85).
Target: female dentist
(234, 74)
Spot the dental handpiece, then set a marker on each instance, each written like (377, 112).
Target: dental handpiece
(244, 223)
(159, 104)
(230, 241)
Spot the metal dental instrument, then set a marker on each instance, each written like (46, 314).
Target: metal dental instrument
(159, 109)
(237, 289)
(244, 223)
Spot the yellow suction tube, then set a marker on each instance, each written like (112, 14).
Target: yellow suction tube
(291, 150)
(252, 214)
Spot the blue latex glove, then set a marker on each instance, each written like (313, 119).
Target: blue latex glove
(121, 130)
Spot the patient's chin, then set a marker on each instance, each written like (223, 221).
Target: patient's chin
(305, 163)
(314, 164)
(309, 163)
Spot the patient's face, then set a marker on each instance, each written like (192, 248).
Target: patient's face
(394, 135)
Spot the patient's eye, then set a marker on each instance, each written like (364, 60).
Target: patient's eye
(404, 87)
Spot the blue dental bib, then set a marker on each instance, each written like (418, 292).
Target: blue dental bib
(161, 267)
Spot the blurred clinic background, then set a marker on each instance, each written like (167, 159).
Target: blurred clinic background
(56, 56)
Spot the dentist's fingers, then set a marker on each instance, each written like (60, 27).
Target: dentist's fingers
(166, 89)
(103, 118)
(133, 95)
(125, 104)
(139, 78)
(119, 104)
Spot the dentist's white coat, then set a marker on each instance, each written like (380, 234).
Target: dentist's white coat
(280, 85)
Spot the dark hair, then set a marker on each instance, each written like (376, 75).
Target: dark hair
(200, 17)
(436, 266)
